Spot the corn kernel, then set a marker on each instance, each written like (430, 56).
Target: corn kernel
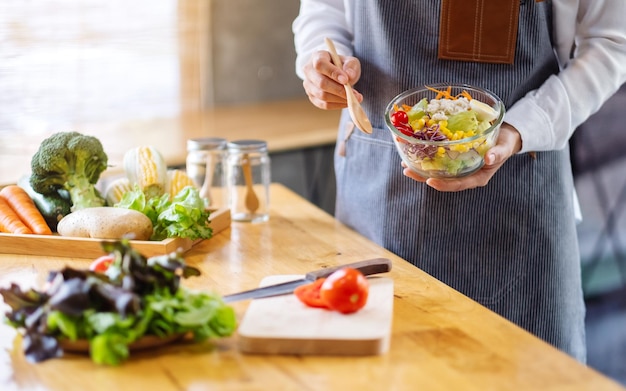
(418, 124)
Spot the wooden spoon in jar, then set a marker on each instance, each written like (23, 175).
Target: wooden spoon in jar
(252, 201)
(354, 107)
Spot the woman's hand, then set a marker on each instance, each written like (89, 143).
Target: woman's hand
(324, 81)
(508, 144)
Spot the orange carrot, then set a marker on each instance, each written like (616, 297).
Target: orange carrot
(433, 89)
(466, 95)
(24, 207)
(442, 93)
(9, 221)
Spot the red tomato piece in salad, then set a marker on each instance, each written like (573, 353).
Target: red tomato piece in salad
(399, 117)
(406, 129)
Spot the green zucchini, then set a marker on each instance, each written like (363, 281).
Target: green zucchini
(53, 207)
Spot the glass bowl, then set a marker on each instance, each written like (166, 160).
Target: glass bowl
(437, 142)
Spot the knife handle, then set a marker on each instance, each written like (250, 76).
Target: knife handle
(367, 267)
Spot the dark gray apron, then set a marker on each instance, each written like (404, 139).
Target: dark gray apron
(512, 245)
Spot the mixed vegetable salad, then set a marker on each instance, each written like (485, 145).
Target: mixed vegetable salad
(449, 132)
(114, 304)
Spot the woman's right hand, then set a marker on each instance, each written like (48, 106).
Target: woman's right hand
(324, 81)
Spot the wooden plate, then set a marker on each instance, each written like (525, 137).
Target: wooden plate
(147, 342)
(63, 246)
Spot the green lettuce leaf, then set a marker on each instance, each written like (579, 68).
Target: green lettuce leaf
(463, 121)
(482, 126)
(65, 324)
(109, 349)
(137, 200)
(418, 110)
(185, 216)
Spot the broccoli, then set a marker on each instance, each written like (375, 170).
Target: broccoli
(70, 161)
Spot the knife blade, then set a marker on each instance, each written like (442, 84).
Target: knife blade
(367, 267)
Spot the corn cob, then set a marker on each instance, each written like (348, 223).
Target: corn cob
(178, 180)
(146, 167)
(116, 189)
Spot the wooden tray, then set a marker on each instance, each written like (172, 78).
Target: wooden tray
(62, 246)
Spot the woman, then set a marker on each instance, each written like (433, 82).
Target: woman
(506, 235)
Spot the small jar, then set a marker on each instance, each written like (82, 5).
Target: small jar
(248, 180)
(206, 166)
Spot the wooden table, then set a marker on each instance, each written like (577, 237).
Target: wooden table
(441, 340)
(285, 125)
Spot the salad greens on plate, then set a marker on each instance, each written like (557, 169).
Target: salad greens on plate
(135, 297)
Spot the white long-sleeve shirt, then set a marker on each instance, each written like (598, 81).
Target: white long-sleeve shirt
(590, 43)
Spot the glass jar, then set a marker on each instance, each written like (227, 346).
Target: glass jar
(248, 180)
(206, 166)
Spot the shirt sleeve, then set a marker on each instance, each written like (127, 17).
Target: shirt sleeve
(319, 19)
(547, 117)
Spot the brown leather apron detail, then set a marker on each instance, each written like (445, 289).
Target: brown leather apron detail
(478, 30)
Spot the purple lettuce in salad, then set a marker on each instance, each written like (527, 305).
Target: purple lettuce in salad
(433, 133)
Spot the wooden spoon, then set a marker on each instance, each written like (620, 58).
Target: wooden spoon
(354, 107)
(252, 201)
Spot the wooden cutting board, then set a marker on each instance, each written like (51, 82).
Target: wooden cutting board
(283, 325)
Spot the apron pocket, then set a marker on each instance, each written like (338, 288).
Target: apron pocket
(478, 30)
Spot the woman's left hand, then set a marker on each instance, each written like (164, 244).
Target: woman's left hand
(509, 143)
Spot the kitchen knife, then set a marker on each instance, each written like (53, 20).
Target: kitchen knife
(367, 267)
